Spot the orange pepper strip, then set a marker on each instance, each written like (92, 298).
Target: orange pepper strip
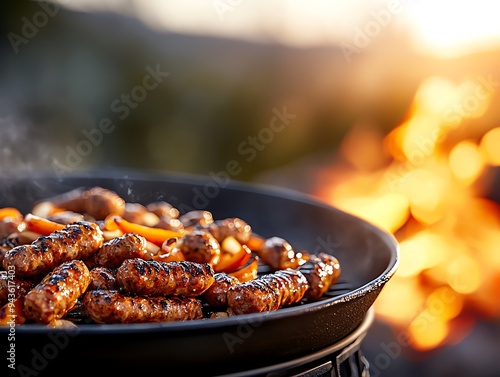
(41, 225)
(247, 272)
(13, 311)
(232, 261)
(110, 223)
(255, 242)
(154, 235)
(10, 212)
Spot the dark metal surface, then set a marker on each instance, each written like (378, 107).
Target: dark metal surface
(368, 258)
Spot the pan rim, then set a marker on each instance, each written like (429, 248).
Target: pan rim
(218, 323)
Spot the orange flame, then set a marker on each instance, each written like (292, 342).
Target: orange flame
(422, 183)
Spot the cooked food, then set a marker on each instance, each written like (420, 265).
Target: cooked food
(103, 278)
(139, 214)
(196, 218)
(88, 256)
(268, 292)
(113, 252)
(10, 225)
(66, 217)
(57, 293)
(112, 306)
(321, 271)
(76, 241)
(199, 246)
(96, 202)
(13, 286)
(233, 226)
(279, 254)
(216, 294)
(163, 209)
(8, 243)
(155, 278)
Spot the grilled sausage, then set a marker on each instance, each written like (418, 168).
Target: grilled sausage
(96, 202)
(139, 214)
(195, 218)
(66, 217)
(9, 284)
(111, 306)
(199, 246)
(57, 293)
(216, 294)
(163, 209)
(75, 241)
(232, 226)
(6, 244)
(321, 271)
(278, 254)
(114, 251)
(154, 278)
(102, 278)
(267, 292)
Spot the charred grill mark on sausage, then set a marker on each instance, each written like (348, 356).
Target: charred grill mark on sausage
(216, 294)
(112, 306)
(57, 293)
(321, 271)
(76, 241)
(154, 278)
(103, 278)
(268, 292)
(116, 250)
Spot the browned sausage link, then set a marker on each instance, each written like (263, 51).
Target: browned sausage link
(321, 271)
(233, 226)
(97, 202)
(163, 209)
(111, 306)
(116, 250)
(7, 244)
(75, 241)
(200, 246)
(66, 217)
(164, 278)
(279, 254)
(57, 293)
(12, 287)
(291, 284)
(268, 292)
(216, 294)
(196, 218)
(102, 278)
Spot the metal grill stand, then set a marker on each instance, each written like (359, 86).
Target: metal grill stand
(342, 359)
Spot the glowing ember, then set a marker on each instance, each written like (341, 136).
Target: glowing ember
(422, 182)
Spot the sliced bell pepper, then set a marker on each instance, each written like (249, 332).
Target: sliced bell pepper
(152, 234)
(41, 225)
(247, 272)
(10, 212)
(233, 255)
(110, 223)
(168, 252)
(255, 242)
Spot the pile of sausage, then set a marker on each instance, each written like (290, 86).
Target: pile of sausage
(87, 269)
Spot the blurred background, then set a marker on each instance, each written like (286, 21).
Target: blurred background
(386, 109)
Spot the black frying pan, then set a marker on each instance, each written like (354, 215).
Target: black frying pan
(368, 258)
